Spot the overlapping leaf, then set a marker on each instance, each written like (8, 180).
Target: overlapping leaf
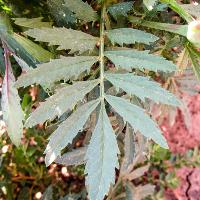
(60, 12)
(142, 87)
(35, 50)
(139, 192)
(194, 56)
(137, 118)
(63, 68)
(11, 108)
(75, 157)
(2, 64)
(120, 9)
(32, 23)
(129, 59)
(129, 148)
(48, 193)
(173, 28)
(24, 66)
(101, 158)
(192, 9)
(64, 38)
(175, 6)
(149, 3)
(82, 10)
(130, 36)
(67, 130)
(26, 49)
(64, 99)
(130, 191)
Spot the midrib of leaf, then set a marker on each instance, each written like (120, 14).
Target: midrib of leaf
(101, 53)
(102, 144)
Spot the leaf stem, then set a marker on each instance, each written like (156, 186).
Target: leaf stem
(101, 53)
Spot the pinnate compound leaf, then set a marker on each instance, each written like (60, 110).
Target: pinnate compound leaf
(67, 130)
(120, 9)
(76, 41)
(143, 88)
(149, 3)
(64, 99)
(101, 158)
(75, 157)
(32, 23)
(138, 119)
(11, 108)
(82, 10)
(130, 36)
(63, 68)
(129, 59)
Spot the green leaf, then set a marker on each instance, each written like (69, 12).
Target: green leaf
(5, 26)
(194, 56)
(64, 38)
(149, 3)
(62, 15)
(32, 23)
(129, 59)
(130, 191)
(67, 130)
(178, 9)
(24, 66)
(120, 9)
(101, 158)
(136, 173)
(192, 9)
(64, 99)
(35, 50)
(22, 47)
(48, 194)
(138, 119)
(129, 149)
(143, 88)
(130, 36)
(188, 82)
(75, 157)
(27, 50)
(2, 64)
(11, 108)
(173, 28)
(63, 68)
(82, 10)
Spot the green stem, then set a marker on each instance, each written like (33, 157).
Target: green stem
(101, 54)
